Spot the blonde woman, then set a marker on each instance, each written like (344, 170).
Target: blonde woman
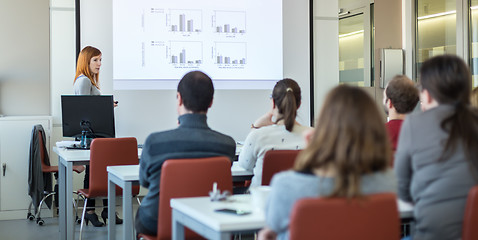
(346, 157)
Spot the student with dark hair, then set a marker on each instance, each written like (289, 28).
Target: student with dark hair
(336, 162)
(282, 133)
(437, 157)
(191, 139)
(400, 97)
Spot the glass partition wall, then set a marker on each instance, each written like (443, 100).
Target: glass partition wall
(474, 41)
(447, 27)
(355, 46)
(351, 50)
(436, 29)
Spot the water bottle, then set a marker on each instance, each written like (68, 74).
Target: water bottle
(83, 140)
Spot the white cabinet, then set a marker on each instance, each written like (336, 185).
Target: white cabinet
(15, 136)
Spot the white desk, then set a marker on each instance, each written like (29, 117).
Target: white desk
(68, 158)
(238, 171)
(125, 177)
(198, 214)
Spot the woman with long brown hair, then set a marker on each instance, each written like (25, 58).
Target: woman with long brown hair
(437, 156)
(277, 129)
(347, 156)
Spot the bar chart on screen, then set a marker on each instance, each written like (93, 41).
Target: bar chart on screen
(159, 41)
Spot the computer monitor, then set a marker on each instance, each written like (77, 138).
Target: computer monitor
(94, 114)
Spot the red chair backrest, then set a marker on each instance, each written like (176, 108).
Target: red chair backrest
(374, 217)
(470, 219)
(189, 178)
(276, 161)
(110, 152)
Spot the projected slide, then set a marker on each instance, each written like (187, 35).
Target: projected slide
(184, 20)
(227, 53)
(182, 53)
(229, 22)
(155, 42)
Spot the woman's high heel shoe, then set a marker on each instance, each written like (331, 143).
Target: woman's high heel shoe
(93, 218)
(104, 215)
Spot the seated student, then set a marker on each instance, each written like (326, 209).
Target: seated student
(336, 162)
(437, 156)
(192, 139)
(400, 97)
(283, 133)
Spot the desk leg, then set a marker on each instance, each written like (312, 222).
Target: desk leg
(128, 211)
(111, 209)
(70, 222)
(224, 236)
(62, 198)
(178, 227)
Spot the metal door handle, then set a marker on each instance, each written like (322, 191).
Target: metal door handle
(4, 167)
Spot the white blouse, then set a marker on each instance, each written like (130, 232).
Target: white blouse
(273, 137)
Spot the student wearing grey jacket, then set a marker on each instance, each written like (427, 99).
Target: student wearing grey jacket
(437, 150)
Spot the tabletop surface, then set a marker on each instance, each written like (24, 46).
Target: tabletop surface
(72, 155)
(202, 209)
(125, 172)
(240, 171)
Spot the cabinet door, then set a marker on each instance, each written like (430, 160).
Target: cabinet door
(15, 139)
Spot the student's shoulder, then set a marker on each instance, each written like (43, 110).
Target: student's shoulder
(82, 80)
(265, 131)
(301, 128)
(160, 136)
(288, 176)
(219, 134)
(225, 138)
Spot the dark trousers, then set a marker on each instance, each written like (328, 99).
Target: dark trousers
(90, 205)
(140, 228)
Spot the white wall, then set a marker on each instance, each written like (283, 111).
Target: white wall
(326, 49)
(62, 67)
(24, 58)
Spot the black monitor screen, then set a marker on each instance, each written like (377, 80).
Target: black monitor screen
(94, 114)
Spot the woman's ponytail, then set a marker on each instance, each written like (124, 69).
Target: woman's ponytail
(287, 96)
(289, 108)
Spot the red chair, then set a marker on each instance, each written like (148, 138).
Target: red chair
(374, 217)
(276, 161)
(46, 168)
(188, 178)
(470, 220)
(108, 152)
